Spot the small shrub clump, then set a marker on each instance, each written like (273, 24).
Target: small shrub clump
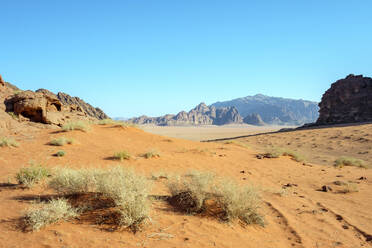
(151, 154)
(60, 154)
(199, 192)
(277, 152)
(349, 161)
(8, 142)
(122, 155)
(78, 125)
(55, 210)
(107, 122)
(28, 176)
(61, 141)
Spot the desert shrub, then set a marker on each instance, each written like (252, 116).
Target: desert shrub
(190, 191)
(28, 176)
(194, 192)
(159, 175)
(47, 213)
(61, 141)
(13, 115)
(151, 154)
(106, 122)
(70, 181)
(130, 193)
(122, 155)
(78, 125)
(8, 142)
(349, 188)
(277, 152)
(238, 202)
(349, 161)
(60, 153)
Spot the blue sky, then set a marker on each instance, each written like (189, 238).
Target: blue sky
(161, 56)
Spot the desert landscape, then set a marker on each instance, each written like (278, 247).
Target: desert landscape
(185, 124)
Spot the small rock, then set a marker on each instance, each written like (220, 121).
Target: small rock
(346, 227)
(369, 238)
(326, 188)
(362, 178)
(339, 176)
(242, 172)
(259, 156)
(339, 217)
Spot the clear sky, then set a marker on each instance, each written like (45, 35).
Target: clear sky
(161, 56)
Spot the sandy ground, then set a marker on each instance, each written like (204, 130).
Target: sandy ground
(198, 133)
(296, 212)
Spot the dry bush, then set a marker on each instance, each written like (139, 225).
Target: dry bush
(62, 141)
(107, 122)
(127, 189)
(55, 210)
(151, 154)
(277, 152)
(28, 176)
(70, 181)
(8, 142)
(349, 161)
(78, 125)
(349, 188)
(199, 192)
(130, 193)
(122, 155)
(60, 153)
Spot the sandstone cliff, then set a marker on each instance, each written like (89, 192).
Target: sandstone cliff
(200, 115)
(348, 100)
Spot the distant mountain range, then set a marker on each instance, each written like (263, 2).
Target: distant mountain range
(254, 110)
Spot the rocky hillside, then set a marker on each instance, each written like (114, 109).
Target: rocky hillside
(42, 106)
(200, 115)
(274, 110)
(348, 100)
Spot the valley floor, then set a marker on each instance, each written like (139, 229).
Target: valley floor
(297, 213)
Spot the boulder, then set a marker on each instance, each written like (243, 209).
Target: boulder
(348, 100)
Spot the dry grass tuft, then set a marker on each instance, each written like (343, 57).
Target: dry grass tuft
(151, 154)
(199, 192)
(122, 155)
(28, 176)
(349, 188)
(107, 122)
(62, 141)
(277, 152)
(349, 161)
(78, 125)
(60, 153)
(48, 213)
(8, 142)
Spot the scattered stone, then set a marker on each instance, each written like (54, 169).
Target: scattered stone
(339, 176)
(339, 217)
(346, 227)
(369, 238)
(289, 185)
(326, 188)
(362, 178)
(242, 172)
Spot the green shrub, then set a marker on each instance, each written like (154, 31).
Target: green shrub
(122, 155)
(13, 115)
(8, 142)
(349, 161)
(60, 154)
(28, 176)
(48, 213)
(78, 125)
(277, 152)
(151, 154)
(349, 188)
(61, 141)
(107, 122)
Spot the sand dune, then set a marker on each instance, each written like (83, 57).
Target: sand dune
(296, 212)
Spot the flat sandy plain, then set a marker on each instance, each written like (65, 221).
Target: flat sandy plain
(297, 213)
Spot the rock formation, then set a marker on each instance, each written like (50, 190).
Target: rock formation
(254, 119)
(275, 110)
(200, 115)
(348, 100)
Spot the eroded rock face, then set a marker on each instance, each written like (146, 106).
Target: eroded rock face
(254, 119)
(348, 100)
(79, 103)
(200, 115)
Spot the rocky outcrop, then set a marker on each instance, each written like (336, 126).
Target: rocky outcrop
(79, 103)
(200, 115)
(275, 110)
(348, 100)
(254, 119)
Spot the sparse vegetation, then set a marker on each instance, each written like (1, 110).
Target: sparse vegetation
(159, 175)
(151, 154)
(55, 210)
(122, 155)
(60, 153)
(8, 142)
(349, 188)
(198, 192)
(28, 176)
(78, 125)
(61, 141)
(349, 161)
(277, 152)
(127, 190)
(107, 122)
(13, 115)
